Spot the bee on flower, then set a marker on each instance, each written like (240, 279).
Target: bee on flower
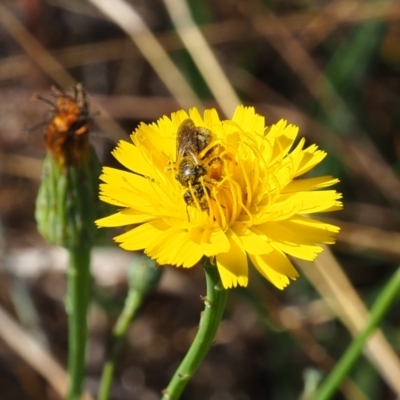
(228, 190)
(198, 163)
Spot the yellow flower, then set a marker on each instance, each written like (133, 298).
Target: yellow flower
(240, 201)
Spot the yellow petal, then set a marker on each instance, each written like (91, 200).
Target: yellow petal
(232, 266)
(128, 180)
(281, 136)
(123, 218)
(302, 185)
(142, 236)
(254, 243)
(311, 157)
(214, 242)
(177, 118)
(112, 201)
(312, 230)
(278, 280)
(275, 267)
(132, 158)
(211, 119)
(249, 120)
(297, 237)
(304, 252)
(136, 192)
(290, 204)
(194, 114)
(294, 242)
(279, 262)
(174, 247)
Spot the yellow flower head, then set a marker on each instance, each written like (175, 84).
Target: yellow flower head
(227, 190)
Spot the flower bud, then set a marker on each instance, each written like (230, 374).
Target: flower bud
(67, 203)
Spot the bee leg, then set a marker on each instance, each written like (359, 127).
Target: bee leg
(45, 100)
(34, 127)
(209, 150)
(187, 212)
(195, 195)
(216, 169)
(214, 160)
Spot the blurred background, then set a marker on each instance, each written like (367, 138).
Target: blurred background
(330, 67)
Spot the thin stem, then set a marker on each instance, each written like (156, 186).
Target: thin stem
(211, 317)
(77, 306)
(143, 276)
(132, 303)
(343, 367)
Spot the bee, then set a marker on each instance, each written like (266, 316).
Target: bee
(195, 154)
(199, 191)
(67, 124)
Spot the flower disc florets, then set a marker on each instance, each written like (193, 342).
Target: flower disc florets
(232, 195)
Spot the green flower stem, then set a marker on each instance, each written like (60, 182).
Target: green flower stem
(132, 303)
(385, 299)
(77, 306)
(143, 276)
(211, 317)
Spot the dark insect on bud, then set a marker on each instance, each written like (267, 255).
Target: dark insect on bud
(66, 136)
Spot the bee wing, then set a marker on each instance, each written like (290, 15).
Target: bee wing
(185, 136)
